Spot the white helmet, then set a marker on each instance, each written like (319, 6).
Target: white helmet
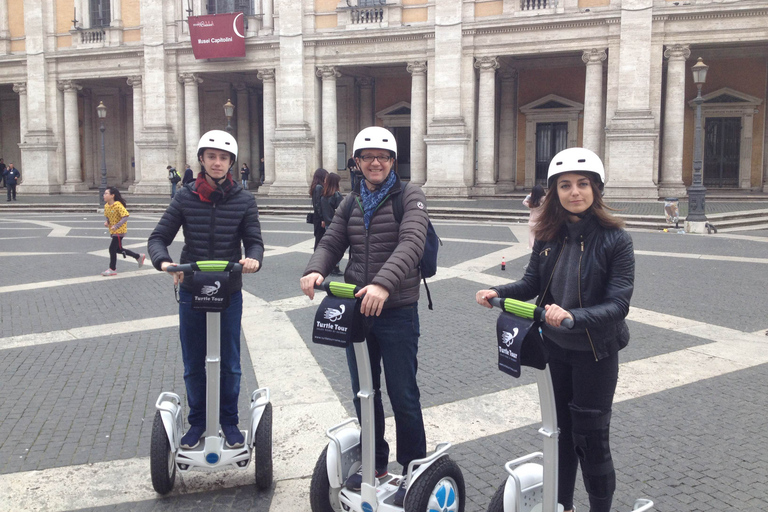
(218, 139)
(374, 137)
(576, 160)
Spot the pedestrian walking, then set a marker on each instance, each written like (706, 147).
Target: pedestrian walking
(245, 172)
(533, 201)
(117, 221)
(218, 220)
(188, 176)
(330, 200)
(316, 192)
(384, 261)
(174, 178)
(12, 177)
(354, 173)
(2, 173)
(582, 267)
(261, 170)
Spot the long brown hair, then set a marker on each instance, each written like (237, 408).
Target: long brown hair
(554, 216)
(317, 179)
(331, 184)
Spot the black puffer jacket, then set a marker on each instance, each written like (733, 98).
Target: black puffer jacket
(387, 253)
(606, 283)
(212, 231)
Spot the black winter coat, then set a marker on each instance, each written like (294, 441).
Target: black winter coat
(212, 231)
(606, 283)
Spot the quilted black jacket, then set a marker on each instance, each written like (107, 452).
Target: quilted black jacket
(212, 231)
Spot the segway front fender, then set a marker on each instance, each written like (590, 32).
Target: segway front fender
(169, 405)
(259, 400)
(343, 452)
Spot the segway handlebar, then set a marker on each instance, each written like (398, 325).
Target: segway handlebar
(338, 289)
(525, 310)
(206, 266)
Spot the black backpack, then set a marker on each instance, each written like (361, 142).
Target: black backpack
(428, 262)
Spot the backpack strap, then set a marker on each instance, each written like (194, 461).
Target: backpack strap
(397, 209)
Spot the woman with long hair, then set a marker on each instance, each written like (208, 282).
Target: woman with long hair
(331, 200)
(534, 202)
(117, 222)
(582, 267)
(316, 192)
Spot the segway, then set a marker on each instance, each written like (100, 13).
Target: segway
(434, 483)
(166, 455)
(531, 485)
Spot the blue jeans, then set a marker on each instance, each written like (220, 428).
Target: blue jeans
(193, 349)
(394, 340)
(245, 184)
(173, 190)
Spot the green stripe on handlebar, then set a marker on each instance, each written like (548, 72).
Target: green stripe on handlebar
(342, 290)
(212, 265)
(519, 308)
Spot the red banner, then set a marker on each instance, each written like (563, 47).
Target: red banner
(217, 36)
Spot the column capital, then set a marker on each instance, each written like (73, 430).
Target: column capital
(189, 79)
(68, 85)
(486, 63)
(240, 87)
(509, 75)
(678, 52)
(594, 56)
(417, 67)
(365, 82)
(20, 87)
(327, 72)
(134, 81)
(266, 75)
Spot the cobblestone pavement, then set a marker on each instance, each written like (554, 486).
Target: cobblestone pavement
(83, 359)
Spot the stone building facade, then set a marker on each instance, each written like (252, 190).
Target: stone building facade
(479, 93)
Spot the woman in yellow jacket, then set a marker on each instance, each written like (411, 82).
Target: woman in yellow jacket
(117, 222)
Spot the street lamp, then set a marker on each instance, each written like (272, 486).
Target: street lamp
(101, 110)
(229, 109)
(697, 192)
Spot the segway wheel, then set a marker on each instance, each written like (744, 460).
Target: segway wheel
(497, 502)
(440, 487)
(162, 463)
(322, 497)
(262, 449)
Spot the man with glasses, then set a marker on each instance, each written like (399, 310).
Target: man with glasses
(384, 259)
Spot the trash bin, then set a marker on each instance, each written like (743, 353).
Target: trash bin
(672, 210)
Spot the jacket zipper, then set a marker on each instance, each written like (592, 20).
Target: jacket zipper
(213, 226)
(594, 352)
(366, 232)
(546, 251)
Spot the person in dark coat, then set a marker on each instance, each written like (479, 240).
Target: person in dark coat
(2, 173)
(188, 176)
(219, 220)
(316, 192)
(12, 176)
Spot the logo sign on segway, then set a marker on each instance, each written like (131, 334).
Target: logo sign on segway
(510, 332)
(338, 322)
(367, 507)
(211, 291)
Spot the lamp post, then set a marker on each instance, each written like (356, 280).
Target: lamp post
(697, 191)
(101, 110)
(229, 109)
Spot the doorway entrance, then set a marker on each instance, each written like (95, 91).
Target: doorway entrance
(722, 140)
(551, 138)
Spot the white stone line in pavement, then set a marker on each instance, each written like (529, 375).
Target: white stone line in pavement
(74, 280)
(2, 254)
(92, 331)
(57, 230)
(734, 259)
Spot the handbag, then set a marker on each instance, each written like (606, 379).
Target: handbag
(310, 218)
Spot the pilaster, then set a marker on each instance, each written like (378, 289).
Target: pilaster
(508, 132)
(418, 71)
(329, 135)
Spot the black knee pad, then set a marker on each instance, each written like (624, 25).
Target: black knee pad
(591, 442)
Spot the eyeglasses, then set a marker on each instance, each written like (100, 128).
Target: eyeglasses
(370, 158)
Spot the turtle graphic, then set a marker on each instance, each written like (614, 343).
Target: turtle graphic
(334, 315)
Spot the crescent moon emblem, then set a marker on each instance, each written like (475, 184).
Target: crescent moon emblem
(234, 26)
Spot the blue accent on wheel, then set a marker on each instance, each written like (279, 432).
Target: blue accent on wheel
(367, 507)
(212, 458)
(440, 495)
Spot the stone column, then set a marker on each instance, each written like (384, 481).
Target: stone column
(671, 182)
(138, 123)
(486, 122)
(508, 132)
(253, 163)
(366, 101)
(74, 181)
(5, 34)
(21, 89)
(267, 21)
(329, 116)
(593, 99)
(418, 71)
(191, 114)
(89, 113)
(267, 76)
(243, 129)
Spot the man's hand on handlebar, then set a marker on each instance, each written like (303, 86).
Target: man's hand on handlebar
(556, 314)
(178, 277)
(483, 295)
(308, 283)
(250, 265)
(373, 302)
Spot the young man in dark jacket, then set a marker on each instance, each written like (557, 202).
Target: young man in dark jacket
(12, 176)
(384, 258)
(217, 217)
(188, 176)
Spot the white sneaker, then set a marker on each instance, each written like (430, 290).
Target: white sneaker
(142, 256)
(109, 272)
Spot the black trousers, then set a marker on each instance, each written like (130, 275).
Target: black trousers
(319, 231)
(11, 191)
(587, 384)
(117, 247)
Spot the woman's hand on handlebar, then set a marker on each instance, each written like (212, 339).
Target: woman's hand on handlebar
(178, 277)
(555, 315)
(373, 302)
(308, 283)
(483, 295)
(250, 265)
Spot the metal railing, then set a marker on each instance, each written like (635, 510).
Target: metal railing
(533, 5)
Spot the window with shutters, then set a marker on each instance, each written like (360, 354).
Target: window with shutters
(100, 13)
(225, 6)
